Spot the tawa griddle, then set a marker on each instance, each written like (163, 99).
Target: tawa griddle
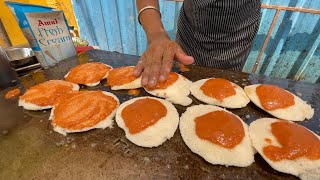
(30, 149)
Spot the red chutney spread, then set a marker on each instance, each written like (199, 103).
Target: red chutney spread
(121, 76)
(172, 78)
(88, 73)
(268, 140)
(221, 128)
(82, 109)
(295, 141)
(134, 92)
(143, 113)
(218, 88)
(12, 93)
(183, 68)
(46, 93)
(272, 97)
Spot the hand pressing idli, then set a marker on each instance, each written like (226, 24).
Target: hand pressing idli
(287, 147)
(89, 74)
(220, 92)
(42, 96)
(147, 121)
(175, 89)
(217, 135)
(279, 102)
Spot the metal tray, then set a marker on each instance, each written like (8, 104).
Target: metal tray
(20, 55)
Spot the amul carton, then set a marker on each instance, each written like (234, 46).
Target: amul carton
(46, 30)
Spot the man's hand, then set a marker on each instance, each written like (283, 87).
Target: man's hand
(156, 62)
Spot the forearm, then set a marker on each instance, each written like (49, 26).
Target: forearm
(151, 20)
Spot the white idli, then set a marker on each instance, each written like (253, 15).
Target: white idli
(238, 100)
(242, 155)
(156, 134)
(125, 72)
(297, 112)
(42, 96)
(89, 74)
(176, 93)
(105, 120)
(302, 167)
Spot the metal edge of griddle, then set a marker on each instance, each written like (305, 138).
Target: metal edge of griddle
(33, 66)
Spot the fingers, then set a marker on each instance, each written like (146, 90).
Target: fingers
(145, 77)
(182, 57)
(167, 61)
(156, 62)
(146, 69)
(139, 67)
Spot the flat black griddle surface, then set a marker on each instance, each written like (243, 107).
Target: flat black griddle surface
(30, 149)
